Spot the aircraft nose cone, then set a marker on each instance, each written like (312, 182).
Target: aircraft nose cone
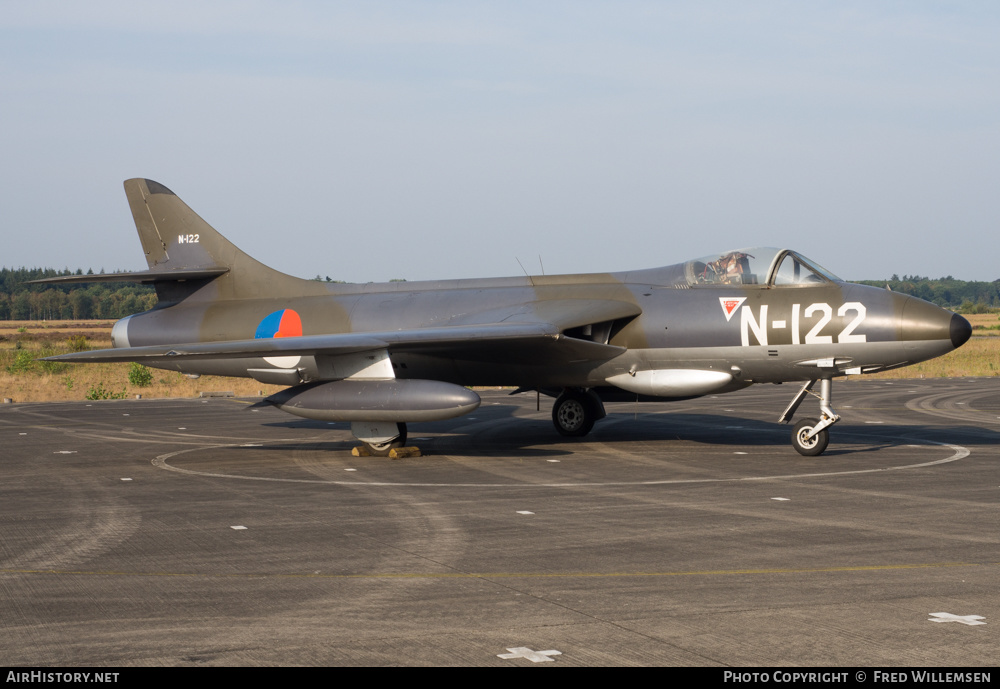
(923, 321)
(961, 331)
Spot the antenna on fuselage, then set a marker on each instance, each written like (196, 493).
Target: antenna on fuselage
(524, 271)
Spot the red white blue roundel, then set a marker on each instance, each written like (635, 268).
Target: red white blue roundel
(283, 323)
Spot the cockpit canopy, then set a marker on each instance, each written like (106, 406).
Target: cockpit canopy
(757, 266)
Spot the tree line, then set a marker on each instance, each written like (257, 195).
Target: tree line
(23, 302)
(968, 296)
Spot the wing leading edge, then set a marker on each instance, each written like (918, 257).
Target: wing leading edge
(537, 342)
(529, 333)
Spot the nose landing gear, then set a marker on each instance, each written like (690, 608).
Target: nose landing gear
(810, 436)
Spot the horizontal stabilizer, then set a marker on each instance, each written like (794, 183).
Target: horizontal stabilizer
(176, 275)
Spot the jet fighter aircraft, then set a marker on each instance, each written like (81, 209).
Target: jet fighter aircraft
(384, 355)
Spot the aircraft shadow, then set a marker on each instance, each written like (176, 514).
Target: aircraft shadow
(497, 428)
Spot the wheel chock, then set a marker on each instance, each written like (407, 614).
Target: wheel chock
(404, 452)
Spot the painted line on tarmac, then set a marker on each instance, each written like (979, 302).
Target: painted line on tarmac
(162, 462)
(503, 575)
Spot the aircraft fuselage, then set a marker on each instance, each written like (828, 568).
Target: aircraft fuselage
(383, 355)
(758, 333)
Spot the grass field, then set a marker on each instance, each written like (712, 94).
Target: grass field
(24, 379)
(984, 323)
(978, 358)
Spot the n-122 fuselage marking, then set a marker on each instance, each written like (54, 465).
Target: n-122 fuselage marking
(759, 324)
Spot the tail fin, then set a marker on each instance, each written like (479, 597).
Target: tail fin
(175, 238)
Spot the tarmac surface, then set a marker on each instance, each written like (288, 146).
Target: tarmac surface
(196, 532)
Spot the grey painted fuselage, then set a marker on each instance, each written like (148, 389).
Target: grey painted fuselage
(707, 325)
(677, 328)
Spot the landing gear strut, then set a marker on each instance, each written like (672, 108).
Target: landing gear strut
(575, 412)
(810, 436)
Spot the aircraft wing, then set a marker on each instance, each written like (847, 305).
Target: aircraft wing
(526, 334)
(515, 342)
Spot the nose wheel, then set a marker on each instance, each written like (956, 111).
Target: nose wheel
(810, 437)
(806, 441)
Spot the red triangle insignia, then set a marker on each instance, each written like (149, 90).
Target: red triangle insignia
(730, 304)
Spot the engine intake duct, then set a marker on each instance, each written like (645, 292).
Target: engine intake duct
(396, 400)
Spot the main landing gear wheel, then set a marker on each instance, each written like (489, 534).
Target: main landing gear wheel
(810, 447)
(382, 449)
(575, 412)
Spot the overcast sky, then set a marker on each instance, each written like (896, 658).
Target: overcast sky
(422, 140)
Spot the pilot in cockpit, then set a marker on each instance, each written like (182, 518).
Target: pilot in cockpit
(729, 269)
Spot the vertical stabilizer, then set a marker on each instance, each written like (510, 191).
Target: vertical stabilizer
(174, 237)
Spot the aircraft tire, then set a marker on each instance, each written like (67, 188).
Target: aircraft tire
(383, 449)
(573, 414)
(816, 445)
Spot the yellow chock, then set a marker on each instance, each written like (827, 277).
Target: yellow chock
(361, 451)
(404, 452)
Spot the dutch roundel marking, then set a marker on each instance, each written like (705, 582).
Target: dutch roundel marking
(730, 304)
(283, 323)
